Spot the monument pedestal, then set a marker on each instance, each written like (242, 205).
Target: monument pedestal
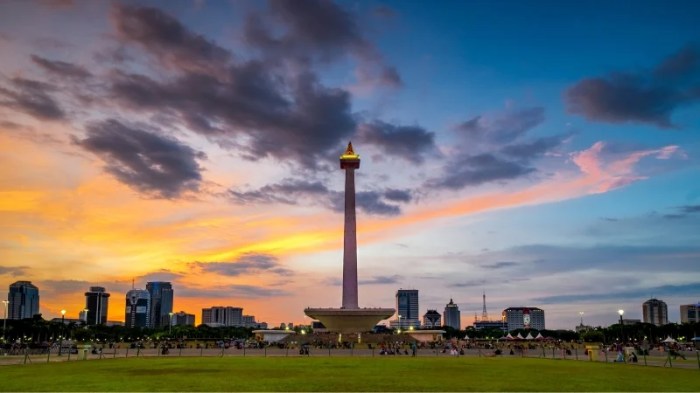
(342, 320)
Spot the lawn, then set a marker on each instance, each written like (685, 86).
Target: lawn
(343, 374)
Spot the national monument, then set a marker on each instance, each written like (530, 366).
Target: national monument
(349, 318)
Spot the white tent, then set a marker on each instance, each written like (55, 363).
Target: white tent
(669, 340)
(520, 337)
(529, 337)
(509, 337)
(539, 336)
(466, 337)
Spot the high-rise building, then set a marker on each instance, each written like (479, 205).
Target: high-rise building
(96, 302)
(431, 319)
(524, 318)
(183, 318)
(452, 316)
(222, 316)
(161, 303)
(23, 300)
(690, 313)
(655, 311)
(138, 306)
(407, 309)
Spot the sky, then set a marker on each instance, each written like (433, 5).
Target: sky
(543, 153)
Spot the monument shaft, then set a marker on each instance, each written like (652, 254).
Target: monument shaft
(350, 243)
(350, 318)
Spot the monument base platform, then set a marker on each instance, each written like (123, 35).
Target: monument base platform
(342, 320)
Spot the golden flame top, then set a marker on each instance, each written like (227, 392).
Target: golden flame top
(349, 153)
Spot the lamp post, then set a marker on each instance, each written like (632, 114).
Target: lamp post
(63, 329)
(399, 323)
(170, 331)
(4, 321)
(85, 311)
(581, 314)
(622, 332)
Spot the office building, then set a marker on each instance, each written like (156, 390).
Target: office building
(524, 318)
(690, 313)
(452, 316)
(655, 311)
(161, 303)
(431, 319)
(222, 316)
(96, 302)
(182, 318)
(23, 300)
(407, 309)
(138, 306)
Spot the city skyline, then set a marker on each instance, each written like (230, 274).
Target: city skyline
(546, 154)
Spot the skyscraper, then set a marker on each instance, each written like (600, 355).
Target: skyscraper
(223, 316)
(452, 316)
(96, 302)
(183, 318)
(161, 303)
(407, 308)
(431, 319)
(24, 300)
(655, 311)
(690, 313)
(138, 306)
(524, 318)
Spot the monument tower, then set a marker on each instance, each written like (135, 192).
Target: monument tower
(350, 318)
(350, 161)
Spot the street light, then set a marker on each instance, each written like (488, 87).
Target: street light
(63, 328)
(85, 311)
(399, 323)
(581, 314)
(4, 321)
(171, 322)
(622, 332)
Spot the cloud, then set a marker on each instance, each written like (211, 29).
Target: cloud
(690, 209)
(168, 39)
(684, 211)
(474, 170)
(398, 195)
(648, 97)
(608, 169)
(293, 192)
(250, 263)
(149, 163)
(230, 291)
(537, 259)
(468, 284)
(501, 128)
(495, 148)
(13, 270)
(33, 98)
(381, 280)
(288, 191)
(411, 143)
(685, 290)
(61, 68)
(64, 286)
(302, 122)
(499, 265)
(161, 275)
(318, 31)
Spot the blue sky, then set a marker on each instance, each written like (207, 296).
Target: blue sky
(543, 152)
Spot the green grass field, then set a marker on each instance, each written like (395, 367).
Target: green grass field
(343, 374)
